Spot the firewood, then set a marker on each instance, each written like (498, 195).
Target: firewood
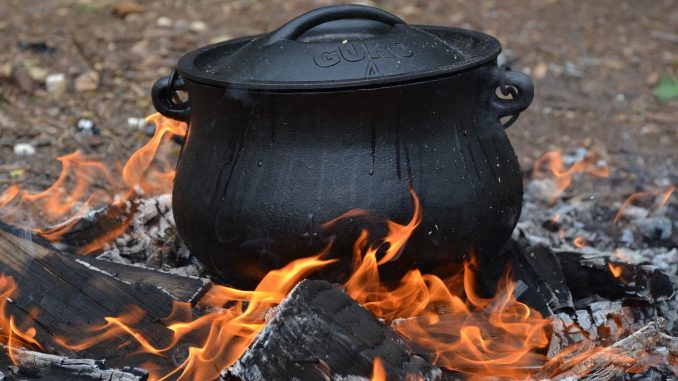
(182, 288)
(45, 367)
(61, 297)
(611, 361)
(320, 333)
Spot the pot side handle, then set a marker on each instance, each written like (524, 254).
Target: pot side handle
(298, 26)
(162, 95)
(520, 87)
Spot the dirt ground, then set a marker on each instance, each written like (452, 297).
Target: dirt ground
(594, 64)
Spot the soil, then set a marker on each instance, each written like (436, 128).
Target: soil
(593, 63)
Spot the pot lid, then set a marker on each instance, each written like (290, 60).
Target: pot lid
(342, 46)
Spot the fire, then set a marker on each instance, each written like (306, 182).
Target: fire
(10, 335)
(616, 270)
(237, 318)
(85, 185)
(661, 199)
(553, 160)
(378, 371)
(463, 331)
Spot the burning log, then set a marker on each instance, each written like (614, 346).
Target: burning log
(45, 367)
(320, 333)
(183, 288)
(61, 295)
(609, 362)
(587, 273)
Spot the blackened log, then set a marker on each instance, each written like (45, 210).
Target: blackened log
(185, 289)
(320, 333)
(84, 230)
(536, 269)
(592, 274)
(32, 365)
(62, 298)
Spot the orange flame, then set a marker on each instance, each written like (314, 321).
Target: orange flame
(662, 199)
(378, 371)
(230, 329)
(85, 185)
(10, 334)
(563, 176)
(464, 332)
(615, 270)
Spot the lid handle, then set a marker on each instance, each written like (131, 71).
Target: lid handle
(298, 26)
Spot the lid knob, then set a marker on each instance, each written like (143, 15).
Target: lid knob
(309, 20)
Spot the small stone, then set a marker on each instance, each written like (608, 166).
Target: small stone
(198, 26)
(164, 22)
(6, 70)
(37, 73)
(540, 70)
(87, 81)
(56, 84)
(87, 127)
(24, 149)
(220, 38)
(136, 122)
(655, 228)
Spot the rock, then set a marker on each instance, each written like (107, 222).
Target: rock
(164, 22)
(24, 149)
(56, 84)
(540, 70)
(655, 228)
(87, 81)
(136, 123)
(37, 73)
(23, 80)
(6, 70)
(123, 8)
(198, 26)
(87, 127)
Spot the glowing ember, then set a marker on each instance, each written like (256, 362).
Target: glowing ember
(580, 242)
(616, 270)
(553, 160)
(661, 198)
(378, 372)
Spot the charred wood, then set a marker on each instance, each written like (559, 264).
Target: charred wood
(30, 365)
(610, 362)
(61, 297)
(320, 333)
(182, 288)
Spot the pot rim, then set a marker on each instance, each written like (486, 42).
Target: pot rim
(187, 68)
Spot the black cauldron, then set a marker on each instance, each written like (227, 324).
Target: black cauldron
(344, 107)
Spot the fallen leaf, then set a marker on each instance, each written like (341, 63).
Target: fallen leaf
(666, 89)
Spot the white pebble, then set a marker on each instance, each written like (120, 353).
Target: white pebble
(24, 149)
(198, 26)
(136, 122)
(56, 84)
(164, 22)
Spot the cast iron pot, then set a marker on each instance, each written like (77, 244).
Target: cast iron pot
(344, 107)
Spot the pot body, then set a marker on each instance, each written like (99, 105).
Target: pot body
(261, 172)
